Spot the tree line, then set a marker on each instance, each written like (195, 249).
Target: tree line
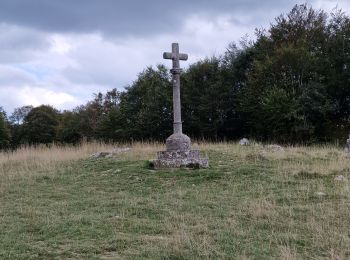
(291, 84)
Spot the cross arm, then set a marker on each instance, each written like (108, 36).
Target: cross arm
(183, 56)
(171, 56)
(167, 55)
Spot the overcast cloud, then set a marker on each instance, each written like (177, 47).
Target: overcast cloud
(60, 52)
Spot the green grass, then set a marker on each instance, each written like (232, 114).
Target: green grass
(247, 205)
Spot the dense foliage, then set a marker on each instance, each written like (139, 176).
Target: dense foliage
(289, 85)
(4, 131)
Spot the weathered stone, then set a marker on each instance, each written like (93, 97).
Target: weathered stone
(120, 150)
(275, 148)
(99, 155)
(169, 155)
(244, 142)
(175, 56)
(178, 146)
(340, 178)
(176, 159)
(178, 163)
(178, 141)
(347, 145)
(109, 154)
(320, 194)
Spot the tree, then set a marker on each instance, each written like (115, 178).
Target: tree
(89, 117)
(288, 61)
(111, 100)
(68, 128)
(4, 131)
(40, 125)
(145, 107)
(206, 99)
(236, 65)
(337, 71)
(109, 128)
(16, 124)
(19, 114)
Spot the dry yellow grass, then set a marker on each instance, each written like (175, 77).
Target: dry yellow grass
(29, 160)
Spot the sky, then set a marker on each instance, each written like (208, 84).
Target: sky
(60, 52)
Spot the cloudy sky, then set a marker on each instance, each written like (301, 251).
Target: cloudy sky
(60, 52)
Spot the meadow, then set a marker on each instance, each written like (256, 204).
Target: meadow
(251, 203)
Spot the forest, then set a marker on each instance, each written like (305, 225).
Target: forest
(291, 84)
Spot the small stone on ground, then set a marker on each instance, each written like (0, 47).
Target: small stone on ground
(347, 146)
(275, 148)
(109, 154)
(120, 150)
(320, 193)
(99, 155)
(244, 142)
(340, 178)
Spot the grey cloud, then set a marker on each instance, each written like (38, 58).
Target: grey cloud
(14, 37)
(14, 77)
(18, 44)
(120, 17)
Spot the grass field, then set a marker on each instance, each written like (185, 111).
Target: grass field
(252, 203)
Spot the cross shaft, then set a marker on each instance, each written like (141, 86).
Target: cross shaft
(175, 56)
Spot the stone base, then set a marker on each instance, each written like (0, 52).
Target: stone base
(177, 159)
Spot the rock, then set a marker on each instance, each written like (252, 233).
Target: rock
(244, 142)
(109, 154)
(120, 150)
(275, 148)
(347, 145)
(99, 155)
(320, 194)
(340, 178)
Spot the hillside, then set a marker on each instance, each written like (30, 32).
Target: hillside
(253, 202)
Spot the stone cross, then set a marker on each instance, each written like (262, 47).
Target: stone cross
(176, 71)
(178, 146)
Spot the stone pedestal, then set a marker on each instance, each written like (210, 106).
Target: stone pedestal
(179, 154)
